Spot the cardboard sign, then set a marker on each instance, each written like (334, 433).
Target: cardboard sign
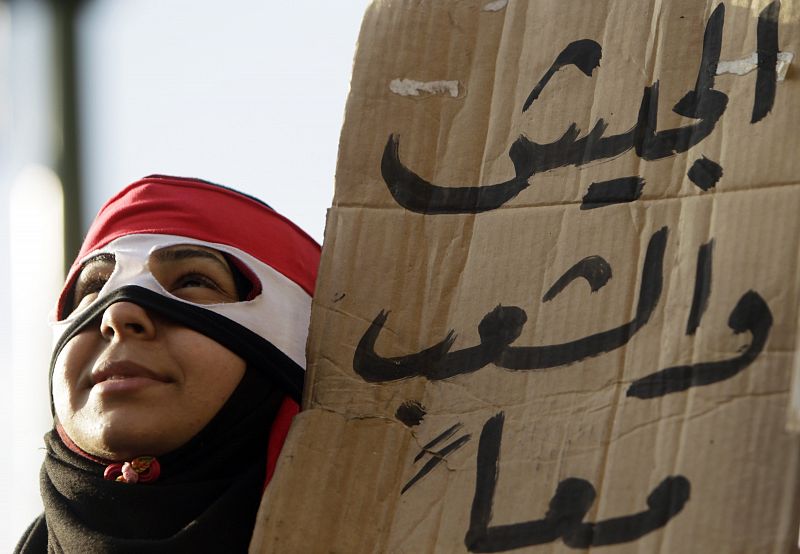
(558, 302)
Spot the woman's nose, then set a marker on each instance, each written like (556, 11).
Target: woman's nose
(126, 320)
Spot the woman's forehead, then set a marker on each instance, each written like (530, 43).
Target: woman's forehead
(161, 247)
(191, 208)
(180, 252)
(166, 254)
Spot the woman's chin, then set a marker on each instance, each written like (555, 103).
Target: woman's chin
(121, 437)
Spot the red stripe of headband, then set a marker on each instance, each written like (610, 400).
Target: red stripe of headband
(200, 210)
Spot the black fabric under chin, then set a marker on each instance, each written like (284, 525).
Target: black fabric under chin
(205, 499)
(259, 353)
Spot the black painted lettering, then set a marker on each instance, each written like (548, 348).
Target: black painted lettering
(702, 287)
(595, 269)
(614, 191)
(584, 54)
(567, 508)
(750, 314)
(767, 49)
(501, 327)
(705, 173)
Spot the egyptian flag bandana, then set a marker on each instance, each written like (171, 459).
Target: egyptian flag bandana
(268, 328)
(209, 489)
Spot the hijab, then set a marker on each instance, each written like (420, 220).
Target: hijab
(206, 493)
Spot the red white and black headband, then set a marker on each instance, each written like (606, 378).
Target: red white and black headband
(268, 329)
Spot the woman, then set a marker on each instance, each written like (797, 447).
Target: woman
(177, 367)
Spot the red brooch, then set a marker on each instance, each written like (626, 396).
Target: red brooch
(144, 469)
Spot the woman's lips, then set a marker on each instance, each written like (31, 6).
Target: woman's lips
(124, 376)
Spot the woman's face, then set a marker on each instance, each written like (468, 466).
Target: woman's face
(134, 383)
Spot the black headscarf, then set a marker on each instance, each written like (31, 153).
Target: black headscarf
(205, 499)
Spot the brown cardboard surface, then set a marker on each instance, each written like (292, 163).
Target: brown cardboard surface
(553, 452)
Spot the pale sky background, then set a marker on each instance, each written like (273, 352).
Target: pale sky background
(249, 94)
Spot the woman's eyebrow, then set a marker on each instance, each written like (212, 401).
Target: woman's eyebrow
(178, 254)
(104, 258)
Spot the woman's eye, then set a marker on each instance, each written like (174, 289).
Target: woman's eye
(88, 291)
(199, 288)
(195, 280)
(194, 274)
(93, 286)
(93, 276)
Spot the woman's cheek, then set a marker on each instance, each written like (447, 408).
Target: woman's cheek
(71, 374)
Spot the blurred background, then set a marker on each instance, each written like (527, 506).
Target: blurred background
(95, 94)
